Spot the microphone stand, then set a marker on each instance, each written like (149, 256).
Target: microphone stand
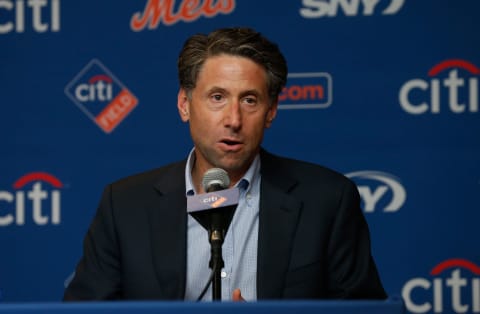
(216, 221)
(216, 262)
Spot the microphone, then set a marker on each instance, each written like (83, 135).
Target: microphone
(215, 179)
(214, 210)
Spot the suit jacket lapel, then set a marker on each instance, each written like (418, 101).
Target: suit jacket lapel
(168, 222)
(279, 212)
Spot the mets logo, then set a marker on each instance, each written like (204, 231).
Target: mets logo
(168, 12)
(101, 96)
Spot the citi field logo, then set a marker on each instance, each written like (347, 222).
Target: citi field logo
(32, 199)
(101, 96)
(379, 191)
(312, 9)
(169, 13)
(306, 91)
(452, 86)
(44, 15)
(214, 200)
(454, 286)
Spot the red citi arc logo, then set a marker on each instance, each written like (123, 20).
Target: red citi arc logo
(453, 87)
(459, 292)
(44, 203)
(102, 97)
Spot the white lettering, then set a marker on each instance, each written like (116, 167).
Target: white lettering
(36, 196)
(7, 27)
(55, 207)
(40, 24)
(394, 7)
(452, 85)
(369, 6)
(476, 295)
(7, 219)
(407, 295)
(37, 6)
(437, 296)
(330, 8)
(405, 102)
(92, 92)
(20, 207)
(456, 283)
(473, 95)
(370, 199)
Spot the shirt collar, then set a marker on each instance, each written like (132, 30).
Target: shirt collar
(244, 183)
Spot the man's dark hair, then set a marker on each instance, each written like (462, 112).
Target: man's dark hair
(238, 41)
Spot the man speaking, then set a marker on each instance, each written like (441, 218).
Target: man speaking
(297, 232)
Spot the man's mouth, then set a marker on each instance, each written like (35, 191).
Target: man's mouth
(231, 144)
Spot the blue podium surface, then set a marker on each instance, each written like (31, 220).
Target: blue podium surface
(278, 307)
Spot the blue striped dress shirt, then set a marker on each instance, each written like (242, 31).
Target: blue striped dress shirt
(240, 245)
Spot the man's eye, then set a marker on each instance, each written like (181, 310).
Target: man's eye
(250, 101)
(217, 97)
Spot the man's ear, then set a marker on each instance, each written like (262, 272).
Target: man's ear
(183, 105)
(271, 113)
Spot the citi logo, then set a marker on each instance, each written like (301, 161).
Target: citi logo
(163, 11)
(379, 190)
(101, 96)
(214, 200)
(306, 91)
(44, 14)
(98, 88)
(454, 286)
(312, 9)
(30, 195)
(452, 87)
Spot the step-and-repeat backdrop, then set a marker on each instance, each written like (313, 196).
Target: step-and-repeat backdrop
(384, 91)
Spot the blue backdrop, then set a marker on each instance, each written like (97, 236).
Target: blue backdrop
(384, 91)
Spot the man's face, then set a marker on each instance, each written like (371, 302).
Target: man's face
(228, 112)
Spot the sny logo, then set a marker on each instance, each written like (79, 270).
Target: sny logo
(157, 11)
(421, 295)
(35, 197)
(41, 11)
(102, 97)
(329, 8)
(306, 91)
(373, 187)
(459, 92)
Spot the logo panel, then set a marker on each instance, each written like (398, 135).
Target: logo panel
(101, 96)
(451, 86)
(307, 91)
(312, 9)
(167, 13)
(379, 191)
(42, 16)
(32, 200)
(453, 286)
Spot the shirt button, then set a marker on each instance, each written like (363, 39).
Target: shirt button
(223, 274)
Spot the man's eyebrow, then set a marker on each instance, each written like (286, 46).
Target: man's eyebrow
(217, 89)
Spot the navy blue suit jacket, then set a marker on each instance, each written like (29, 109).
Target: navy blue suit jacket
(313, 240)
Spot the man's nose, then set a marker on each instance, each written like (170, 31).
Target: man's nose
(233, 116)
